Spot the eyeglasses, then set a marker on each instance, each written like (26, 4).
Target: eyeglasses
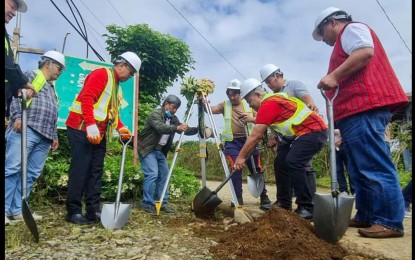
(59, 67)
(132, 72)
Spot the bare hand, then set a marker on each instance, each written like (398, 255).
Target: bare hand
(327, 82)
(30, 91)
(182, 127)
(272, 142)
(17, 125)
(239, 163)
(54, 146)
(313, 107)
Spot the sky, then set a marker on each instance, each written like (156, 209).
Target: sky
(239, 36)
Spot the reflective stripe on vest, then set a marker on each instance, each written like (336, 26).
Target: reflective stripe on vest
(101, 107)
(226, 134)
(301, 113)
(7, 46)
(38, 83)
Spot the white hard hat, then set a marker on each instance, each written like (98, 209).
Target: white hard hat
(234, 84)
(56, 56)
(267, 70)
(21, 6)
(132, 59)
(249, 85)
(324, 16)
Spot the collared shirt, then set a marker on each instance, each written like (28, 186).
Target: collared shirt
(42, 114)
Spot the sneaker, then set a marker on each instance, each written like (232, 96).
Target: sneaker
(150, 209)
(240, 202)
(20, 217)
(6, 220)
(167, 210)
(265, 203)
(408, 213)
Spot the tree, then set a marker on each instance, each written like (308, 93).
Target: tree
(164, 58)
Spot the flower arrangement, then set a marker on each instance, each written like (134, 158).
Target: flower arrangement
(191, 86)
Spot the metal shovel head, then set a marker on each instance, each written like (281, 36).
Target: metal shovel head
(332, 216)
(109, 217)
(205, 203)
(256, 184)
(29, 220)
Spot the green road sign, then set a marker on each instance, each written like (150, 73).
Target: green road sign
(70, 83)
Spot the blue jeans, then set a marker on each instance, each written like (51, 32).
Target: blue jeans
(378, 194)
(407, 194)
(37, 151)
(341, 167)
(155, 169)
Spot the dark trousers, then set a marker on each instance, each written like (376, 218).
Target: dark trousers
(231, 152)
(290, 169)
(85, 173)
(341, 166)
(407, 194)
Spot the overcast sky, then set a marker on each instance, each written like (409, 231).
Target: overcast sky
(249, 34)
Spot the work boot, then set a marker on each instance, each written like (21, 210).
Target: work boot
(304, 213)
(167, 210)
(240, 202)
(278, 204)
(265, 202)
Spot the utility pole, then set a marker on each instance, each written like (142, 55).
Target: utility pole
(16, 42)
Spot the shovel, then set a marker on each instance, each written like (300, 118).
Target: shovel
(332, 212)
(206, 201)
(27, 215)
(255, 181)
(115, 215)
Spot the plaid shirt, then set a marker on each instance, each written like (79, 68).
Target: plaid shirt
(42, 114)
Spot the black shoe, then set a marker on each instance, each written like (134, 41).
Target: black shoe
(95, 217)
(167, 210)
(265, 203)
(78, 219)
(150, 209)
(304, 213)
(278, 204)
(240, 202)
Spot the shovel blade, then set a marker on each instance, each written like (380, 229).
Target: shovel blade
(332, 216)
(109, 217)
(29, 220)
(205, 203)
(256, 184)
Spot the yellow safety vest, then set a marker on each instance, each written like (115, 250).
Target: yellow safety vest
(7, 46)
(286, 127)
(226, 134)
(101, 107)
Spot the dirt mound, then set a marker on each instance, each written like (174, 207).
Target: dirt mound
(277, 234)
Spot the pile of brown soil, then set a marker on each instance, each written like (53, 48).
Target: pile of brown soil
(277, 234)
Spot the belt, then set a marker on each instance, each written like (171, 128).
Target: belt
(158, 147)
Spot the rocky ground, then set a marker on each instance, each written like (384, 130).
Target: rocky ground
(276, 234)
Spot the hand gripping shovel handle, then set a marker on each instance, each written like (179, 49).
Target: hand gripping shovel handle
(330, 118)
(27, 215)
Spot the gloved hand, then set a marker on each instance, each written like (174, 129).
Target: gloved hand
(124, 133)
(92, 134)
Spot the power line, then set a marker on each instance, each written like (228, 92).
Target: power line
(92, 14)
(211, 45)
(118, 13)
(394, 26)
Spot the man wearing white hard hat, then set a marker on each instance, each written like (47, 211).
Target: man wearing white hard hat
(286, 116)
(274, 78)
(236, 113)
(368, 92)
(93, 117)
(14, 77)
(42, 133)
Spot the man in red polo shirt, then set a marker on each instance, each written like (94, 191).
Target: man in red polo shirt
(301, 134)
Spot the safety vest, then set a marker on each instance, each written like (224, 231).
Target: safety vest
(7, 46)
(101, 106)
(301, 113)
(226, 134)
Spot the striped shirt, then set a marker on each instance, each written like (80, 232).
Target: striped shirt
(42, 114)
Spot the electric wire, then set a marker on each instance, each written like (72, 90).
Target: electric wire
(393, 26)
(85, 33)
(207, 41)
(118, 12)
(93, 49)
(103, 25)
